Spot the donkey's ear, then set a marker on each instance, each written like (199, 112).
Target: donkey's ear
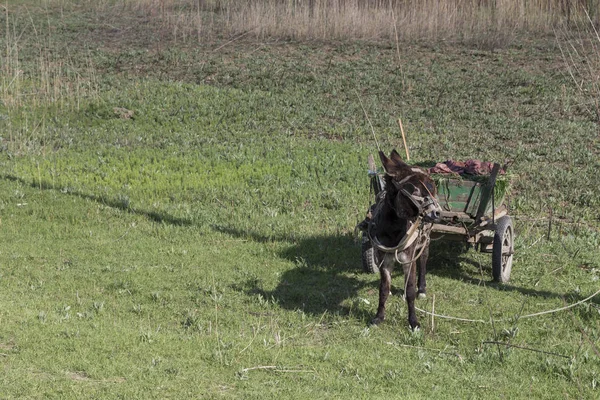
(397, 158)
(388, 164)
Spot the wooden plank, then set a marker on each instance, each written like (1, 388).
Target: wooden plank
(454, 215)
(487, 193)
(440, 228)
(474, 200)
(487, 221)
(455, 237)
(454, 194)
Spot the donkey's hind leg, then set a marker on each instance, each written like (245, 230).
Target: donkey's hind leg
(385, 285)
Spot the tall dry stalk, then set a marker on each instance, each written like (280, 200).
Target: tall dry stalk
(360, 19)
(491, 22)
(37, 78)
(580, 48)
(51, 78)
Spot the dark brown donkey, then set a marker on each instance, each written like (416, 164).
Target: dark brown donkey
(399, 229)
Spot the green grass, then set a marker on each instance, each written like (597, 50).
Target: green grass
(204, 247)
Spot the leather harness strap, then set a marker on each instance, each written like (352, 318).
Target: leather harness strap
(409, 238)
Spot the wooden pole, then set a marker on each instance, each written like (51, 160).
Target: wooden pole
(404, 139)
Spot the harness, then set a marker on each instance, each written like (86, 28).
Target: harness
(418, 230)
(423, 204)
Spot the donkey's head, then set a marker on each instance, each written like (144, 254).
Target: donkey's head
(411, 191)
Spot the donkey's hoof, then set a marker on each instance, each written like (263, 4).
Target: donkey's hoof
(376, 321)
(422, 295)
(414, 324)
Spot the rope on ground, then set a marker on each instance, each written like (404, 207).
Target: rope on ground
(452, 318)
(523, 316)
(563, 308)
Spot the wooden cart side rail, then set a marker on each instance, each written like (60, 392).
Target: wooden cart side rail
(455, 215)
(455, 230)
(459, 216)
(499, 213)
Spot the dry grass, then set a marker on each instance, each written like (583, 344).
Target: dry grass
(36, 73)
(488, 21)
(50, 78)
(581, 51)
(487, 24)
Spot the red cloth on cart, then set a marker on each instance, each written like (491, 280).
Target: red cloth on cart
(471, 167)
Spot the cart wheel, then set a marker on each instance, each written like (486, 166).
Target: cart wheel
(502, 253)
(369, 256)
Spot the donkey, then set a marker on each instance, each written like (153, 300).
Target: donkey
(400, 227)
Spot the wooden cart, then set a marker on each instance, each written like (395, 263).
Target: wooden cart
(473, 212)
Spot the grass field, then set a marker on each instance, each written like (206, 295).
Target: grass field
(177, 217)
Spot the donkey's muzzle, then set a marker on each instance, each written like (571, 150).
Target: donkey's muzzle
(430, 209)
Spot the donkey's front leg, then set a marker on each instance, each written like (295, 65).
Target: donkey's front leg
(385, 285)
(410, 293)
(421, 283)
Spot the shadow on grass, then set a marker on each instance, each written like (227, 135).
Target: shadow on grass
(324, 278)
(447, 259)
(123, 204)
(328, 268)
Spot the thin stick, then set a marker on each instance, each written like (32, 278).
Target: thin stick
(273, 367)
(425, 348)
(526, 348)
(517, 318)
(536, 242)
(398, 46)
(259, 367)
(549, 224)
(433, 314)
(404, 139)
(234, 39)
(318, 178)
(585, 335)
(253, 337)
(490, 310)
(369, 120)
(294, 370)
(217, 321)
(39, 176)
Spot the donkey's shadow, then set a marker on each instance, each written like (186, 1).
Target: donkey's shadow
(325, 276)
(328, 276)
